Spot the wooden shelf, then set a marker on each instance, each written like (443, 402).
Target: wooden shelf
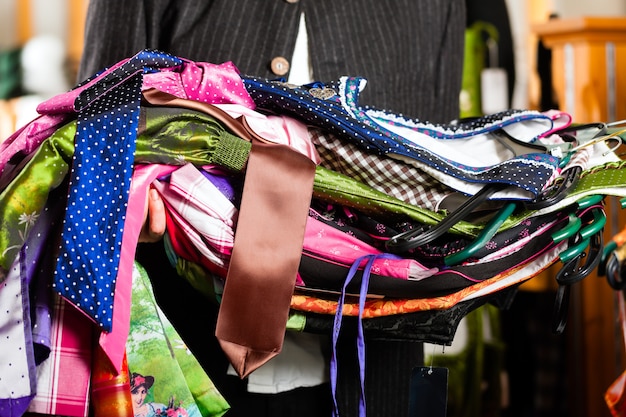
(588, 61)
(589, 54)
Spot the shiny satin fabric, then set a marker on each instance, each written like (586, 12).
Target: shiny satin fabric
(268, 243)
(28, 192)
(266, 254)
(110, 389)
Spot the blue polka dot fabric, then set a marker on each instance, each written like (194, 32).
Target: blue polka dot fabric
(334, 107)
(108, 115)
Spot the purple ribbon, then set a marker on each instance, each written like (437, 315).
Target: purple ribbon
(360, 338)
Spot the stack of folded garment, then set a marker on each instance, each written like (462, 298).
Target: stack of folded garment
(284, 202)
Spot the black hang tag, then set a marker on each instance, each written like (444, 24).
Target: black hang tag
(429, 392)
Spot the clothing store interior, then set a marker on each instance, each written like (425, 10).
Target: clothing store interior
(454, 258)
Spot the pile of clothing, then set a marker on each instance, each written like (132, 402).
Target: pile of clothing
(290, 206)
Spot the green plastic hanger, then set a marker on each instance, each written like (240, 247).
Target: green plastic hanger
(483, 237)
(573, 226)
(574, 223)
(596, 226)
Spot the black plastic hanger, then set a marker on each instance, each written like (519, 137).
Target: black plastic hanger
(572, 272)
(411, 239)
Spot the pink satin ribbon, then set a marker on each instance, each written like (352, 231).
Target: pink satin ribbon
(114, 342)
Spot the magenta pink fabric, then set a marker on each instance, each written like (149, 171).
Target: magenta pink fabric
(203, 82)
(186, 204)
(114, 342)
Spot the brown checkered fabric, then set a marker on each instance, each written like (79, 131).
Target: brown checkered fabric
(391, 176)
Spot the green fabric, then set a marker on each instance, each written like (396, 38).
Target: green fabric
(296, 321)
(155, 348)
(170, 135)
(23, 199)
(338, 188)
(602, 179)
(607, 179)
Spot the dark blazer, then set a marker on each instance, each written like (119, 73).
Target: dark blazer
(411, 51)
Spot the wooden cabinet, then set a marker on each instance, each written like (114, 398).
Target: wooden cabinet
(588, 55)
(589, 75)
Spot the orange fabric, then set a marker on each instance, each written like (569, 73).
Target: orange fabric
(386, 307)
(110, 391)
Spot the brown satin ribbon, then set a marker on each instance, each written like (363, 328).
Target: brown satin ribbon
(160, 98)
(266, 255)
(267, 248)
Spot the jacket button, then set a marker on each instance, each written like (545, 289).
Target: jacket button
(279, 65)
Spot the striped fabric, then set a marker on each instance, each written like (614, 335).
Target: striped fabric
(63, 380)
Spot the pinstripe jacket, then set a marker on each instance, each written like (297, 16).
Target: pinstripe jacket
(410, 51)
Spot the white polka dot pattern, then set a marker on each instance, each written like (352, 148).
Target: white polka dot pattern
(334, 107)
(16, 351)
(102, 167)
(94, 220)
